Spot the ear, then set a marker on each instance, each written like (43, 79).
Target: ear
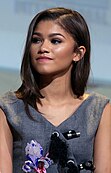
(79, 53)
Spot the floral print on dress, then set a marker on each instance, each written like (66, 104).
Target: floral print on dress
(35, 159)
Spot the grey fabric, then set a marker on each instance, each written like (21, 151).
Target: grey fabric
(84, 120)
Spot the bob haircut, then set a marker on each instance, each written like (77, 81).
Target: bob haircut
(75, 25)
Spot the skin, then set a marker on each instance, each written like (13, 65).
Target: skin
(102, 149)
(50, 40)
(6, 143)
(55, 85)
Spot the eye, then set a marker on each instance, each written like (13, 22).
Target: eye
(36, 40)
(56, 41)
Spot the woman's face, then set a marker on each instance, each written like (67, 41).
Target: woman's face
(52, 49)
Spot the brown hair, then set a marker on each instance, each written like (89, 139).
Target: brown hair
(73, 23)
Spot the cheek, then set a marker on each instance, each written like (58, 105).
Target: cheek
(65, 49)
(33, 61)
(64, 52)
(32, 52)
(32, 56)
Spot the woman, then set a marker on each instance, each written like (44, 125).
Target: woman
(50, 124)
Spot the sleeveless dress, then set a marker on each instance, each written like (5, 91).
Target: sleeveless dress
(84, 120)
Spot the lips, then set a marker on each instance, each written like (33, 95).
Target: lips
(43, 58)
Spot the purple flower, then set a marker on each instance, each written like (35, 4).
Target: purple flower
(36, 160)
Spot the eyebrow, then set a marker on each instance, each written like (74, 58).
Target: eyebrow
(50, 35)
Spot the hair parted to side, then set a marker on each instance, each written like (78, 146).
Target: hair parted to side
(73, 23)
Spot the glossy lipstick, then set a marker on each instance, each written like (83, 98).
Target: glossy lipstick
(43, 59)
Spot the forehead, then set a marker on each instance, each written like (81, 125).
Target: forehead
(49, 26)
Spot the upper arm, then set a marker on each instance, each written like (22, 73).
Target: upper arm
(102, 147)
(6, 143)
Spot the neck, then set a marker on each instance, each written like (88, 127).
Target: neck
(56, 90)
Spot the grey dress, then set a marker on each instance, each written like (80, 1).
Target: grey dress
(84, 120)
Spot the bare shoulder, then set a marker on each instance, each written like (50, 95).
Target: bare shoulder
(6, 143)
(106, 115)
(3, 121)
(102, 151)
(5, 131)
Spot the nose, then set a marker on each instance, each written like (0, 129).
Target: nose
(44, 47)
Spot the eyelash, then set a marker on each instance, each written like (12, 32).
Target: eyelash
(56, 41)
(37, 40)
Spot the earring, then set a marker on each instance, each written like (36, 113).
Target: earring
(75, 62)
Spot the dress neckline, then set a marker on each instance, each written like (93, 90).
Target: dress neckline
(64, 121)
(45, 120)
